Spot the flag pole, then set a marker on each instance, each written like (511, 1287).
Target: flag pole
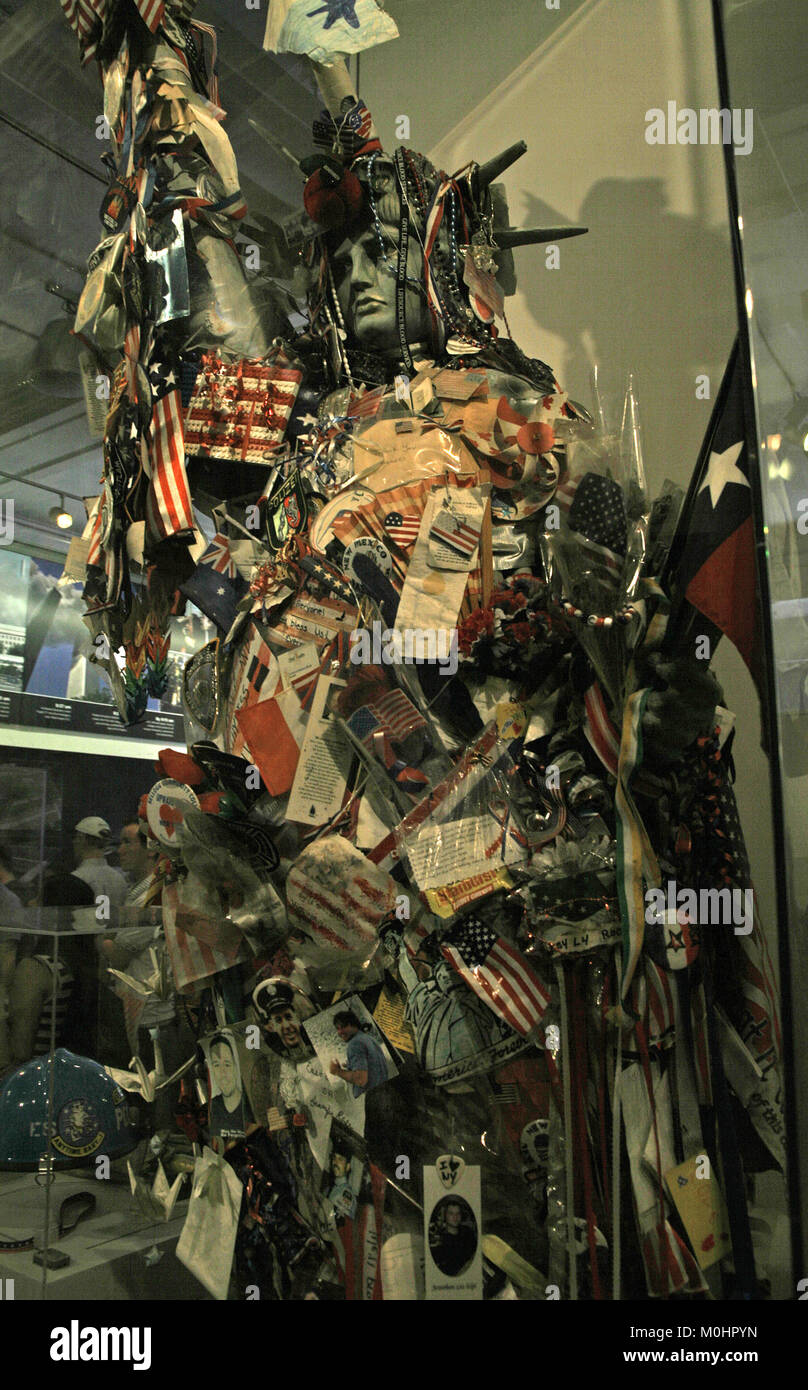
(767, 683)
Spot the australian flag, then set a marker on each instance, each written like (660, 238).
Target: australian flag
(714, 561)
(216, 587)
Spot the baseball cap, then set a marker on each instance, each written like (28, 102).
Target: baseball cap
(95, 827)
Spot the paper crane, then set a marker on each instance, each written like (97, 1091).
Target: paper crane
(144, 1083)
(156, 1202)
(157, 985)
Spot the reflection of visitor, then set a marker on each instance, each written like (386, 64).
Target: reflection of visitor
(90, 840)
(227, 1118)
(455, 1240)
(367, 1065)
(341, 1195)
(41, 992)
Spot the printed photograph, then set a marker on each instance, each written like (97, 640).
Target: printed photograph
(350, 1046)
(452, 1236)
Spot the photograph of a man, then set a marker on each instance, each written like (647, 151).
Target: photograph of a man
(366, 1064)
(229, 1114)
(342, 1195)
(281, 1008)
(452, 1236)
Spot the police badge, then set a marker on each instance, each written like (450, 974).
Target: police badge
(286, 511)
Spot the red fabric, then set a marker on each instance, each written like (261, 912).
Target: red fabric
(179, 767)
(724, 590)
(332, 204)
(271, 743)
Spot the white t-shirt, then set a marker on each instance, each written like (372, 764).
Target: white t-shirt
(104, 880)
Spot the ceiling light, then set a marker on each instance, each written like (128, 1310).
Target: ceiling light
(60, 516)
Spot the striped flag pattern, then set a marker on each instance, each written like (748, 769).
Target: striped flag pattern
(368, 404)
(396, 715)
(341, 902)
(599, 729)
(191, 958)
(670, 1267)
(454, 533)
(151, 12)
(87, 18)
(92, 533)
(169, 511)
(497, 973)
(402, 530)
(240, 413)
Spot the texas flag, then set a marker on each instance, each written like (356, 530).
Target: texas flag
(715, 566)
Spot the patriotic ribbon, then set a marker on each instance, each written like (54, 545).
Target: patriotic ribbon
(599, 729)
(636, 861)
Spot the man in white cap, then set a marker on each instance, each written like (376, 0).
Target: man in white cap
(90, 839)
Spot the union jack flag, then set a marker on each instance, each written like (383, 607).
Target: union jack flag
(218, 556)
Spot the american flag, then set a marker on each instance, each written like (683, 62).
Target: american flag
(403, 530)
(455, 534)
(366, 405)
(191, 957)
(336, 896)
(497, 973)
(87, 18)
(168, 508)
(393, 714)
(594, 507)
(353, 131)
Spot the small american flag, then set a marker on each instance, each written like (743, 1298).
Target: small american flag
(369, 403)
(497, 973)
(169, 510)
(452, 532)
(403, 530)
(392, 714)
(594, 507)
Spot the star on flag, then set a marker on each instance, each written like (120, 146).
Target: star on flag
(722, 469)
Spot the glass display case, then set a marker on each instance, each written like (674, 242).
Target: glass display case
(455, 948)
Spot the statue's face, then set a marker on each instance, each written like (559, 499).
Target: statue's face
(366, 284)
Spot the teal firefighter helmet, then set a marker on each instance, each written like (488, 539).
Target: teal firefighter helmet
(90, 1115)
